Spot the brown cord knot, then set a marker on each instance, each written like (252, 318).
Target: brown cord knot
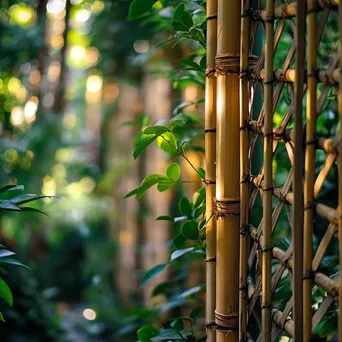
(227, 322)
(308, 275)
(209, 72)
(208, 182)
(226, 208)
(244, 229)
(213, 259)
(228, 64)
(310, 206)
(210, 130)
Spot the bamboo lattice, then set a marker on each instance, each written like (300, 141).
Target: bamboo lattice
(303, 82)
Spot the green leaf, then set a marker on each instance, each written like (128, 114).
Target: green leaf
(190, 230)
(167, 143)
(203, 62)
(26, 198)
(143, 145)
(185, 207)
(179, 26)
(200, 197)
(167, 335)
(156, 130)
(7, 205)
(153, 272)
(174, 123)
(201, 172)
(139, 7)
(187, 19)
(11, 261)
(192, 64)
(146, 333)
(5, 292)
(179, 12)
(191, 291)
(165, 218)
(33, 210)
(163, 186)
(131, 193)
(148, 182)
(179, 241)
(5, 253)
(11, 187)
(177, 254)
(2, 317)
(196, 312)
(173, 172)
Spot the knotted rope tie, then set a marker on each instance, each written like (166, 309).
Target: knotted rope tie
(228, 64)
(227, 323)
(226, 208)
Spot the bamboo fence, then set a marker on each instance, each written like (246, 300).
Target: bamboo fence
(249, 274)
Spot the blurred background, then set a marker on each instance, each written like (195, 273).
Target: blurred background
(78, 81)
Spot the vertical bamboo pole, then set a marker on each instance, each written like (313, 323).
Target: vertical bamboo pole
(210, 167)
(227, 204)
(297, 182)
(244, 167)
(267, 196)
(340, 170)
(309, 168)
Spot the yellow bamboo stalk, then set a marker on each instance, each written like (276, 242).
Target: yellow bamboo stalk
(267, 196)
(309, 169)
(244, 167)
(297, 181)
(228, 174)
(340, 169)
(210, 167)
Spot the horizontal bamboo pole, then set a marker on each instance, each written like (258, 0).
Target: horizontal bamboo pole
(277, 317)
(289, 10)
(322, 76)
(320, 279)
(330, 146)
(322, 210)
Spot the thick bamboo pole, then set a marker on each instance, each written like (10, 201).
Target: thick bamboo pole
(210, 167)
(244, 167)
(267, 196)
(227, 205)
(340, 170)
(309, 169)
(297, 181)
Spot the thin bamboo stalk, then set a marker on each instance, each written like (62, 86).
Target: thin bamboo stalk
(244, 167)
(227, 186)
(340, 169)
(210, 167)
(297, 181)
(267, 196)
(329, 77)
(309, 169)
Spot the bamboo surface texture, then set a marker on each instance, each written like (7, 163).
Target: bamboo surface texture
(244, 166)
(228, 185)
(268, 177)
(210, 168)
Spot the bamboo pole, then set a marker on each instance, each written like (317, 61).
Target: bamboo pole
(244, 168)
(227, 204)
(340, 170)
(267, 196)
(297, 181)
(309, 169)
(210, 167)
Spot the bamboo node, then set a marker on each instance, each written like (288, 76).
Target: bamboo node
(309, 275)
(226, 208)
(213, 259)
(208, 182)
(209, 71)
(211, 17)
(313, 141)
(244, 229)
(268, 249)
(245, 179)
(245, 73)
(228, 64)
(210, 130)
(266, 306)
(226, 322)
(310, 206)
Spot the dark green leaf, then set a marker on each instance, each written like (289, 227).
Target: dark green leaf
(2, 317)
(143, 145)
(146, 333)
(174, 123)
(10, 261)
(192, 64)
(173, 172)
(179, 26)
(190, 230)
(185, 207)
(179, 241)
(6, 205)
(5, 292)
(153, 272)
(11, 187)
(187, 19)
(139, 7)
(179, 12)
(176, 254)
(201, 172)
(26, 198)
(165, 218)
(5, 253)
(33, 210)
(166, 335)
(196, 313)
(156, 130)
